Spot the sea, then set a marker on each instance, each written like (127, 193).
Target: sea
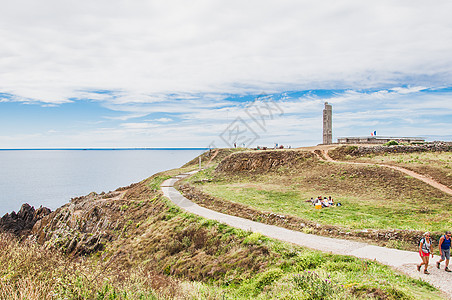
(51, 177)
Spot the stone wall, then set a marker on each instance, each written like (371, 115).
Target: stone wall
(341, 152)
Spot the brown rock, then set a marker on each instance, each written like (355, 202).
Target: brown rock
(21, 223)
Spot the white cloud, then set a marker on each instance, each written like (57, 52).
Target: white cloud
(52, 50)
(163, 120)
(174, 60)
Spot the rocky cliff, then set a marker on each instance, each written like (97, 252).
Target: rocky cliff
(22, 222)
(88, 223)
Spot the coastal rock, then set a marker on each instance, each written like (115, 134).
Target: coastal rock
(86, 224)
(80, 226)
(22, 222)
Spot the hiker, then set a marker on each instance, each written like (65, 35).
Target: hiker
(425, 250)
(444, 250)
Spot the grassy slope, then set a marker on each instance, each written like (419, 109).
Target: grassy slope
(171, 254)
(437, 165)
(372, 197)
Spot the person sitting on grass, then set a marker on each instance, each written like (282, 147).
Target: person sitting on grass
(444, 250)
(330, 201)
(325, 202)
(317, 201)
(425, 250)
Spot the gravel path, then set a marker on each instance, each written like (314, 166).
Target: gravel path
(404, 261)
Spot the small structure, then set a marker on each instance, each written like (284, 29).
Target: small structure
(327, 124)
(378, 140)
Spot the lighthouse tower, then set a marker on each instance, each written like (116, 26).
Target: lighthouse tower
(327, 124)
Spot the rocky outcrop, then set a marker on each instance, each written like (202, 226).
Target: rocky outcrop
(22, 222)
(81, 227)
(87, 224)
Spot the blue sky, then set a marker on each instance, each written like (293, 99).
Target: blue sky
(165, 74)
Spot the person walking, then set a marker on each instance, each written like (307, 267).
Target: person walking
(444, 250)
(425, 250)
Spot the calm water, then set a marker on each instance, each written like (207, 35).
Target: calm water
(52, 177)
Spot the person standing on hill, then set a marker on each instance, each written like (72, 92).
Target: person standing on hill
(425, 250)
(444, 250)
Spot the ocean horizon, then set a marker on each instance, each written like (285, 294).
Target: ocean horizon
(100, 149)
(52, 176)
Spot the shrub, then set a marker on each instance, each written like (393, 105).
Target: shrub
(254, 239)
(266, 278)
(314, 286)
(391, 143)
(310, 260)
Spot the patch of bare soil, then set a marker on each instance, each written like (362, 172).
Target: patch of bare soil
(436, 174)
(264, 161)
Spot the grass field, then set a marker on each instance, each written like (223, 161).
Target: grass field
(372, 197)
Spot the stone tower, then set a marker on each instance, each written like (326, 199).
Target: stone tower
(327, 124)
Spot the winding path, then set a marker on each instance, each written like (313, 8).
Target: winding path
(404, 261)
(413, 174)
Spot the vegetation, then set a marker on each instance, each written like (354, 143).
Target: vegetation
(391, 143)
(30, 271)
(255, 267)
(371, 196)
(157, 251)
(437, 165)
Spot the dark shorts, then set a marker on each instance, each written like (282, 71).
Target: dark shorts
(445, 254)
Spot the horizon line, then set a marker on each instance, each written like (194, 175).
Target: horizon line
(105, 149)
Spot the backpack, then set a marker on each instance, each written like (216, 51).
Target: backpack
(422, 240)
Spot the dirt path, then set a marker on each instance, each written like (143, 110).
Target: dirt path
(212, 157)
(413, 174)
(404, 261)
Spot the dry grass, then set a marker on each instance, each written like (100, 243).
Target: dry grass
(437, 165)
(30, 271)
(159, 252)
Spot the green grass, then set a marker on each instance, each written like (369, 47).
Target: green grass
(170, 254)
(372, 197)
(29, 271)
(352, 214)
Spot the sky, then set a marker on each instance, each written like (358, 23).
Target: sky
(103, 74)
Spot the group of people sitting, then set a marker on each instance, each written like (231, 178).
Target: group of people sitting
(325, 202)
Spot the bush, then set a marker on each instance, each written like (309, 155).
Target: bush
(314, 286)
(255, 238)
(391, 143)
(266, 278)
(310, 260)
